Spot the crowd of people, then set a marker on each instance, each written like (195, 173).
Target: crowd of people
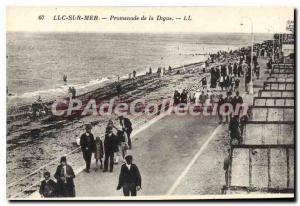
(237, 123)
(108, 151)
(226, 69)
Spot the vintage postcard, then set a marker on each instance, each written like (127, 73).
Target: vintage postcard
(150, 103)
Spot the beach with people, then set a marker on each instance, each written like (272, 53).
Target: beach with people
(39, 140)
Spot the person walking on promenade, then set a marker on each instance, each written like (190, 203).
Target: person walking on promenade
(223, 70)
(48, 186)
(213, 79)
(236, 84)
(226, 82)
(234, 130)
(243, 122)
(222, 82)
(226, 167)
(183, 97)
(230, 69)
(123, 139)
(98, 152)
(203, 98)
(240, 70)
(236, 101)
(130, 178)
(269, 65)
(221, 101)
(235, 69)
(218, 73)
(127, 127)
(228, 100)
(257, 71)
(65, 179)
(87, 143)
(176, 97)
(110, 147)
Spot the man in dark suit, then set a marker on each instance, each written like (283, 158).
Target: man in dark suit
(130, 178)
(64, 175)
(234, 130)
(110, 147)
(127, 127)
(87, 143)
(236, 102)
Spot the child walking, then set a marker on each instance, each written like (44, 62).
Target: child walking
(98, 152)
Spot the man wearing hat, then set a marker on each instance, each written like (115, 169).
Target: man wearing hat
(64, 175)
(110, 147)
(87, 143)
(130, 178)
(127, 127)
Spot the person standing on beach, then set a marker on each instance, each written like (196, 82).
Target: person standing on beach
(127, 127)
(65, 78)
(87, 143)
(65, 179)
(130, 178)
(134, 74)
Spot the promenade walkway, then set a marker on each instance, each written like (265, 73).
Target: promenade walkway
(176, 156)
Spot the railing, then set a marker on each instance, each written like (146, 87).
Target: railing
(273, 101)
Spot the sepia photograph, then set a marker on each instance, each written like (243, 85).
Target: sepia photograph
(150, 103)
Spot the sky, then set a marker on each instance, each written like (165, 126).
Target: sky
(204, 19)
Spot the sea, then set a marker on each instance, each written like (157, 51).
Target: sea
(37, 61)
